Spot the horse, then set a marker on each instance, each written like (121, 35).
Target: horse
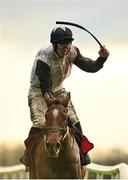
(57, 153)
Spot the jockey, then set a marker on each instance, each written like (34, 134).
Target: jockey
(51, 66)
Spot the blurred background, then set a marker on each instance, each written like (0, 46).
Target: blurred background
(100, 99)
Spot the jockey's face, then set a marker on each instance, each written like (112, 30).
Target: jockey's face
(63, 49)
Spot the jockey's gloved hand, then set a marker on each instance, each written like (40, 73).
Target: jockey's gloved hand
(51, 95)
(103, 52)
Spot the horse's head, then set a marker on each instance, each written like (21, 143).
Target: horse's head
(56, 124)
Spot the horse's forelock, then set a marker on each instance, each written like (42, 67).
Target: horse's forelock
(54, 111)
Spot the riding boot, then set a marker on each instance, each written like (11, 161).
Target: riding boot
(77, 132)
(85, 159)
(25, 157)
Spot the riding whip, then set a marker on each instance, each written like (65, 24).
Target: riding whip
(81, 27)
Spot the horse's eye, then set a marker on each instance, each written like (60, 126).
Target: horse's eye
(46, 115)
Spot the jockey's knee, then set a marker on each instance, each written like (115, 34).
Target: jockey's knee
(74, 119)
(38, 123)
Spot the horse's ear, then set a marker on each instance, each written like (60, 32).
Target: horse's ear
(66, 100)
(48, 99)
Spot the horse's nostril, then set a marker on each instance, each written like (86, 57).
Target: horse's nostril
(58, 144)
(48, 144)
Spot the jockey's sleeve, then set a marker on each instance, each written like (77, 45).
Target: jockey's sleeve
(43, 72)
(87, 64)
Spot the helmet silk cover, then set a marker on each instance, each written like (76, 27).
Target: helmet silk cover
(61, 35)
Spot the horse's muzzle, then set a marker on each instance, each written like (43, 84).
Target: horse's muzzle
(52, 149)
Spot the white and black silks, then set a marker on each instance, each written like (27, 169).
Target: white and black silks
(43, 70)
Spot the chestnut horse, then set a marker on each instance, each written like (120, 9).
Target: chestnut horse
(57, 153)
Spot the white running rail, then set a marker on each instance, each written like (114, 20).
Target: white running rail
(93, 171)
(13, 172)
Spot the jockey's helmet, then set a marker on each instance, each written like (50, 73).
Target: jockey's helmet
(61, 35)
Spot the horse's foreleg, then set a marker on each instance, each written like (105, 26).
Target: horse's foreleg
(83, 171)
(32, 174)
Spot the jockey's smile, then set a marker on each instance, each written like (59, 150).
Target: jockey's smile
(63, 49)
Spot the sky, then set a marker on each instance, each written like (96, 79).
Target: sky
(100, 99)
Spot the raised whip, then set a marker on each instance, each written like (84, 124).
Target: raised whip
(81, 27)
